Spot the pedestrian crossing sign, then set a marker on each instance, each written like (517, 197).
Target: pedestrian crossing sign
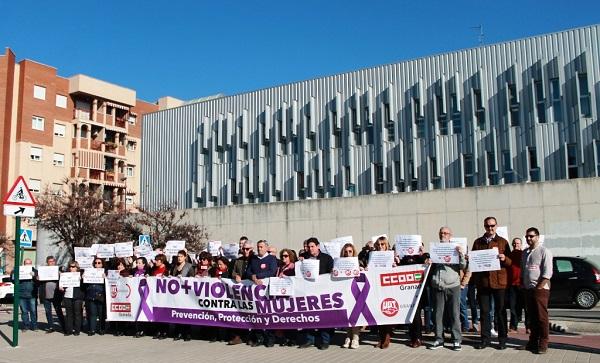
(26, 238)
(144, 239)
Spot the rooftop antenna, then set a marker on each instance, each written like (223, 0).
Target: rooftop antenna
(481, 35)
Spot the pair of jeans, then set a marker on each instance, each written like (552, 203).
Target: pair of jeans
(447, 300)
(48, 304)
(473, 303)
(325, 334)
(516, 298)
(73, 316)
(95, 311)
(487, 297)
(28, 307)
(464, 312)
(537, 310)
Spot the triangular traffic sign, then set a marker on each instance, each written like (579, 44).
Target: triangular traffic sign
(25, 237)
(20, 194)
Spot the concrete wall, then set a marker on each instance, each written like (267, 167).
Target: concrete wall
(566, 212)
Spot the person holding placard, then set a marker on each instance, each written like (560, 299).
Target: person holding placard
(261, 266)
(141, 270)
(491, 285)
(384, 331)
(238, 273)
(95, 301)
(325, 267)
(352, 334)
(50, 297)
(161, 269)
(415, 328)
(445, 283)
(28, 292)
(182, 268)
(536, 272)
(73, 302)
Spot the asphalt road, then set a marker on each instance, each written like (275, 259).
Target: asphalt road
(590, 316)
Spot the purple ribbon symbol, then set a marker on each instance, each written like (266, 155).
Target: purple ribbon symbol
(361, 306)
(144, 291)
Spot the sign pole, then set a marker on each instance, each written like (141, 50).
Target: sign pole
(17, 292)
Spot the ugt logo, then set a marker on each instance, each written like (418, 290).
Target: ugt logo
(389, 307)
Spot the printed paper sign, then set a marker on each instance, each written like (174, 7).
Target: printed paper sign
(345, 267)
(333, 249)
(142, 251)
(112, 276)
(48, 273)
(281, 286)
(214, 248)
(462, 242)
(484, 260)
(69, 279)
(85, 262)
(343, 240)
(83, 252)
(381, 259)
(25, 272)
(231, 251)
(173, 247)
(124, 249)
(94, 249)
(408, 244)
(105, 251)
(93, 276)
(309, 268)
(443, 252)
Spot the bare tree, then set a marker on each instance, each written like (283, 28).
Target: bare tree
(7, 247)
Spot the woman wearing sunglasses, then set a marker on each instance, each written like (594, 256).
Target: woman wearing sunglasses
(73, 302)
(352, 334)
(95, 300)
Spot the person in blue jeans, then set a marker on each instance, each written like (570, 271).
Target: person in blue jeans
(28, 301)
(95, 300)
(50, 297)
(465, 276)
(472, 302)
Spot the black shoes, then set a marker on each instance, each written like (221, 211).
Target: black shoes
(305, 345)
(482, 345)
(324, 347)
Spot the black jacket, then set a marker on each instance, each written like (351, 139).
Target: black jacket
(325, 262)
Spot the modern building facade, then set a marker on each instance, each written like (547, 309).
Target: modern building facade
(79, 127)
(513, 112)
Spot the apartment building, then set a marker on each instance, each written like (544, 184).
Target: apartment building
(54, 127)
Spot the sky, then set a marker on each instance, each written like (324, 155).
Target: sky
(191, 49)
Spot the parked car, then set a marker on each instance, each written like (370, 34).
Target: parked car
(7, 288)
(575, 280)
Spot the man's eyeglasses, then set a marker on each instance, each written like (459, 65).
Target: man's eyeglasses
(247, 249)
(490, 226)
(98, 263)
(530, 236)
(72, 266)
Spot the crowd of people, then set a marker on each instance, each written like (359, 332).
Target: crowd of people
(521, 285)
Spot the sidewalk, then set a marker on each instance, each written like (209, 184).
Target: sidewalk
(34, 346)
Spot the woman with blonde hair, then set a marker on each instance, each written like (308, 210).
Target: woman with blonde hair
(385, 331)
(352, 334)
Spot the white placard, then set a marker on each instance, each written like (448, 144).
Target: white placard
(124, 249)
(375, 238)
(142, 250)
(381, 259)
(82, 252)
(345, 267)
(26, 272)
(93, 276)
(310, 268)
(173, 247)
(484, 260)
(69, 279)
(281, 286)
(85, 262)
(214, 248)
(48, 273)
(408, 244)
(462, 242)
(343, 240)
(94, 249)
(105, 251)
(112, 276)
(443, 252)
(231, 250)
(502, 231)
(333, 249)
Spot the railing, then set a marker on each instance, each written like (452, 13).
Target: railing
(96, 145)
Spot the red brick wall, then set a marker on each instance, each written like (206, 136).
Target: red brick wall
(141, 108)
(7, 73)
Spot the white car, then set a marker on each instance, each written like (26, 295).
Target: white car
(7, 289)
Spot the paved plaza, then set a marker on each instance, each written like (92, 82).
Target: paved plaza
(37, 346)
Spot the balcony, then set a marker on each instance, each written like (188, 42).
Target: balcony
(120, 122)
(96, 145)
(95, 174)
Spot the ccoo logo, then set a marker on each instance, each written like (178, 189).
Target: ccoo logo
(389, 307)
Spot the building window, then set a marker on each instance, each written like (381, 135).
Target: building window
(479, 110)
(58, 159)
(61, 101)
(555, 98)
(128, 199)
(35, 153)
(37, 123)
(39, 92)
(508, 167)
(513, 105)
(131, 120)
(540, 101)
(35, 185)
(130, 170)
(585, 107)
(469, 170)
(572, 168)
(60, 130)
(57, 188)
(534, 169)
(379, 182)
(597, 153)
(131, 145)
